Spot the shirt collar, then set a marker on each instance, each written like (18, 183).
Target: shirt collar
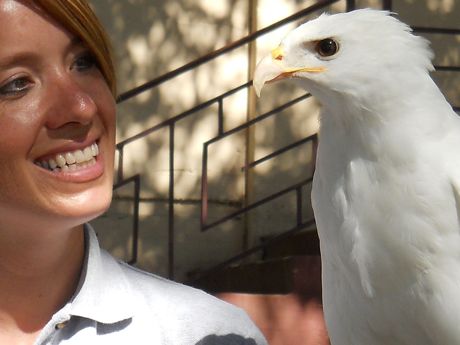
(104, 293)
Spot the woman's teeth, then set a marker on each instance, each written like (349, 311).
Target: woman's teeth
(69, 161)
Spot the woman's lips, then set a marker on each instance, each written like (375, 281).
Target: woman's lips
(80, 165)
(71, 160)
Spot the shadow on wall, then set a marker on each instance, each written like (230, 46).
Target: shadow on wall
(152, 37)
(438, 14)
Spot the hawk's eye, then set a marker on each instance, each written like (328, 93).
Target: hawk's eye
(327, 47)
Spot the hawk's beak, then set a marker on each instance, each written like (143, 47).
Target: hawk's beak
(271, 68)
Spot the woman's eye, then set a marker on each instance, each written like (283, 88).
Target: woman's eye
(15, 87)
(84, 62)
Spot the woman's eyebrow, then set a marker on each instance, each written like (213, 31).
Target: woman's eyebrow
(30, 57)
(75, 42)
(20, 58)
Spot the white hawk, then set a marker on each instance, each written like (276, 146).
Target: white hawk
(386, 188)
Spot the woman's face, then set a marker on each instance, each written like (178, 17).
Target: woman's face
(57, 124)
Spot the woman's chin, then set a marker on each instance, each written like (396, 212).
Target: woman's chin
(85, 206)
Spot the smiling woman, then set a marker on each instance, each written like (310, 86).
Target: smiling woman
(57, 125)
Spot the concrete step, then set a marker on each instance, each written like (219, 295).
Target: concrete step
(299, 274)
(302, 243)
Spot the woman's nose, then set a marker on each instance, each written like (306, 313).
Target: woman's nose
(71, 103)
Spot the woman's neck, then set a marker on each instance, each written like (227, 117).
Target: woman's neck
(38, 275)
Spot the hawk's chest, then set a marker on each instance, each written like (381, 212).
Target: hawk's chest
(380, 220)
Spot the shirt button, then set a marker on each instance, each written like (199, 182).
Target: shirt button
(61, 325)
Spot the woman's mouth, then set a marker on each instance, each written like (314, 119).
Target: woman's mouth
(72, 160)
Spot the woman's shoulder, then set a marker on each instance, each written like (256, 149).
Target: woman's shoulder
(186, 311)
(161, 291)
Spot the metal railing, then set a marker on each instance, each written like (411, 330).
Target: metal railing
(221, 134)
(136, 181)
(228, 48)
(170, 123)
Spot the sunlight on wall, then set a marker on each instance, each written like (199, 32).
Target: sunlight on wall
(146, 209)
(270, 12)
(235, 109)
(137, 153)
(369, 3)
(219, 9)
(188, 155)
(232, 68)
(180, 94)
(305, 118)
(139, 50)
(442, 6)
(157, 34)
(158, 176)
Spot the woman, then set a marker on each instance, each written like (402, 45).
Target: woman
(57, 125)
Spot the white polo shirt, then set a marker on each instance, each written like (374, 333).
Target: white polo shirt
(118, 304)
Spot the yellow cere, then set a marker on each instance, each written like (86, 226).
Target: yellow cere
(277, 53)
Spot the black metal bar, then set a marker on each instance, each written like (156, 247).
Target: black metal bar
(212, 55)
(447, 68)
(137, 189)
(350, 5)
(120, 163)
(182, 115)
(442, 31)
(204, 187)
(260, 118)
(278, 152)
(171, 236)
(124, 182)
(256, 204)
(135, 237)
(387, 5)
(299, 205)
(220, 116)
